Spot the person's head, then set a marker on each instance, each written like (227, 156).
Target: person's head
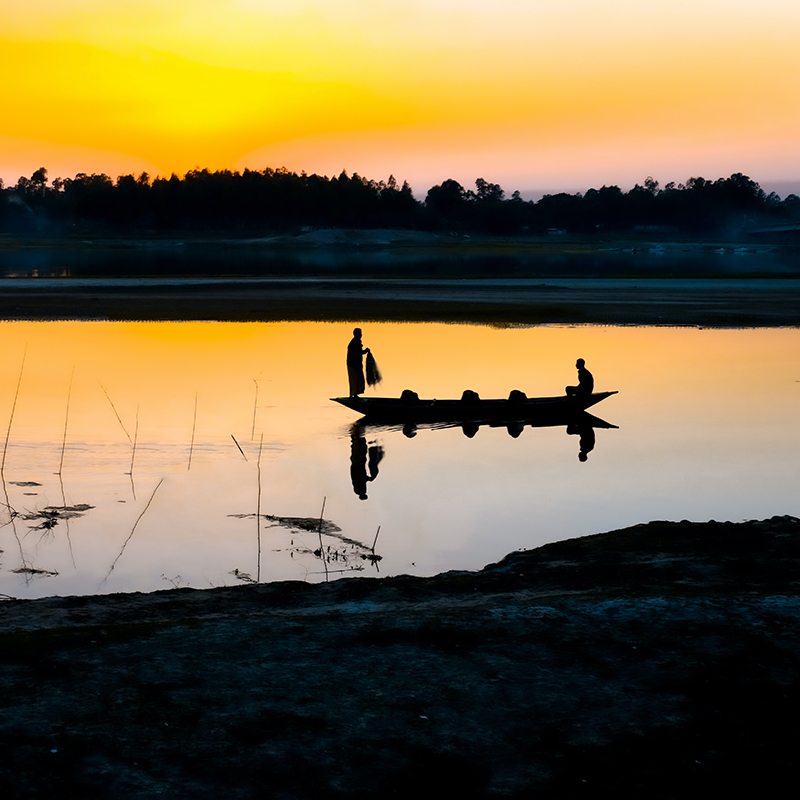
(357, 333)
(580, 363)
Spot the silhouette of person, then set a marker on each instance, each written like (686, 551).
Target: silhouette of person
(355, 364)
(585, 381)
(587, 438)
(362, 456)
(358, 463)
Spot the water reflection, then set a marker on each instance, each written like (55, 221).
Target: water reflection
(164, 408)
(574, 423)
(366, 453)
(364, 460)
(587, 438)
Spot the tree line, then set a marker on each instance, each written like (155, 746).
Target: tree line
(254, 202)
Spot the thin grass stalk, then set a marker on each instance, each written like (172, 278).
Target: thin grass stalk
(258, 511)
(130, 535)
(255, 406)
(12, 515)
(66, 420)
(319, 533)
(13, 409)
(194, 426)
(135, 439)
(11, 511)
(66, 519)
(240, 449)
(114, 408)
(376, 540)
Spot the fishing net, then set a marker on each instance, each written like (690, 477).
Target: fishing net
(374, 376)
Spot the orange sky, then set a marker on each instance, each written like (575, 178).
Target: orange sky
(536, 96)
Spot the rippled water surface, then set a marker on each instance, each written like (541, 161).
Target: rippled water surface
(142, 456)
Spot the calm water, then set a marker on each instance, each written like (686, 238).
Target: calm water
(706, 430)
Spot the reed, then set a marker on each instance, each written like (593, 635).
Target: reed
(12, 511)
(66, 421)
(255, 406)
(135, 439)
(194, 426)
(61, 467)
(13, 409)
(319, 533)
(258, 510)
(240, 449)
(12, 517)
(376, 540)
(66, 519)
(114, 408)
(130, 535)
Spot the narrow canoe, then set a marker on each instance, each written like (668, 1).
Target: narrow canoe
(418, 410)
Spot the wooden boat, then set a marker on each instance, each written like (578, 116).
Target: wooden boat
(409, 408)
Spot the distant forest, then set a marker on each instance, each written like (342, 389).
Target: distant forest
(271, 201)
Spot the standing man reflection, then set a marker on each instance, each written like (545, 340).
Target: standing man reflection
(355, 364)
(362, 457)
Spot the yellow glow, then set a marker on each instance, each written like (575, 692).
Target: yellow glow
(516, 89)
(155, 103)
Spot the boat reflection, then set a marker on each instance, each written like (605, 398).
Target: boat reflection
(366, 454)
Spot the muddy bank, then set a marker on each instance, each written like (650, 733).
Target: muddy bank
(657, 661)
(712, 302)
(403, 276)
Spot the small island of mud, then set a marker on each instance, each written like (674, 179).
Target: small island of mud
(658, 661)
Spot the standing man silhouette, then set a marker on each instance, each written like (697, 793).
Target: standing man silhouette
(355, 364)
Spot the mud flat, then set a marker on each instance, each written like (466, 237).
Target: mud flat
(720, 302)
(403, 276)
(658, 661)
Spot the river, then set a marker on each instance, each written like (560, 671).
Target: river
(142, 456)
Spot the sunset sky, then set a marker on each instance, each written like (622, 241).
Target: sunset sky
(537, 95)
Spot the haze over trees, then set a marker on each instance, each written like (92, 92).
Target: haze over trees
(261, 203)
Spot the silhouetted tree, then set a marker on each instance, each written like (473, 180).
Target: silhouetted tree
(254, 201)
(446, 202)
(488, 192)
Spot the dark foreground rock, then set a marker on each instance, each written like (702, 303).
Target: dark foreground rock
(659, 661)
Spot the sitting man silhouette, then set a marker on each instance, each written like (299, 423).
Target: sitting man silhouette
(585, 381)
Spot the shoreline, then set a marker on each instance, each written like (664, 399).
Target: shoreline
(352, 275)
(396, 238)
(600, 562)
(662, 658)
(724, 302)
